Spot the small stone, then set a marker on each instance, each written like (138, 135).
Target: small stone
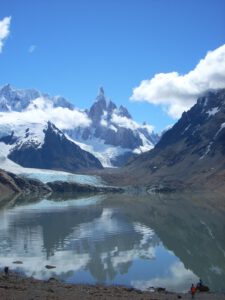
(50, 267)
(18, 262)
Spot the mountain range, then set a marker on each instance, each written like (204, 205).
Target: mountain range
(41, 131)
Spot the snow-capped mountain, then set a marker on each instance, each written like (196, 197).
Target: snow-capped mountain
(105, 130)
(12, 99)
(113, 136)
(44, 146)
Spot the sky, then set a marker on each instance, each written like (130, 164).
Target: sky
(149, 55)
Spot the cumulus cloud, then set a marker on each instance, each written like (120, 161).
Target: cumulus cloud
(4, 30)
(41, 110)
(129, 123)
(176, 93)
(32, 48)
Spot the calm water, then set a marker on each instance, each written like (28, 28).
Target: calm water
(167, 241)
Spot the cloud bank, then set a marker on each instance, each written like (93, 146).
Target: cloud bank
(115, 120)
(176, 93)
(41, 110)
(4, 30)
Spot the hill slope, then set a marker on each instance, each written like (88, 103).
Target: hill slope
(191, 153)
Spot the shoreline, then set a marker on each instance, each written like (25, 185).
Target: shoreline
(17, 287)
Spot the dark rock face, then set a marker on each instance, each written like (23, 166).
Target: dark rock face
(192, 151)
(200, 125)
(9, 139)
(98, 108)
(123, 112)
(57, 153)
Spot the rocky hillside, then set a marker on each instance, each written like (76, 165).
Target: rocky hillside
(191, 153)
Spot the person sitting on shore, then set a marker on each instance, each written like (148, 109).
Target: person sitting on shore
(199, 284)
(201, 287)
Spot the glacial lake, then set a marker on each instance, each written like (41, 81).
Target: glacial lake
(163, 241)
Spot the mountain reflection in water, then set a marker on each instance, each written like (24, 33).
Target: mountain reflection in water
(167, 241)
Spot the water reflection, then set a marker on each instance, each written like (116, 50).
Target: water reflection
(155, 241)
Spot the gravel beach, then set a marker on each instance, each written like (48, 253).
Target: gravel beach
(15, 287)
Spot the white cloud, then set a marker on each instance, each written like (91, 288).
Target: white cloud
(41, 110)
(32, 48)
(129, 123)
(178, 279)
(176, 92)
(4, 30)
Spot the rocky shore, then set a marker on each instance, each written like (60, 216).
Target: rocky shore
(17, 287)
(11, 184)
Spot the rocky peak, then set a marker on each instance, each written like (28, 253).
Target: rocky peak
(19, 99)
(101, 105)
(6, 89)
(5, 94)
(59, 101)
(210, 107)
(98, 108)
(212, 99)
(111, 106)
(123, 112)
(52, 127)
(101, 92)
(101, 97)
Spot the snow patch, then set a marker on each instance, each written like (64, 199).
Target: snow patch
(213, 111)
(104, 122)
(104, 152)
(24, 132)
(186, 129)
(207, 150)
(222, 126)
(147, 145)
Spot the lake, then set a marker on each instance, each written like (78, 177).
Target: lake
(142, 241)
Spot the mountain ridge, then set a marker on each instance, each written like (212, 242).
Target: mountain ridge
(192, 152)
(105, 130)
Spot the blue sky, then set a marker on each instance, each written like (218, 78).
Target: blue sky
(73, 47)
